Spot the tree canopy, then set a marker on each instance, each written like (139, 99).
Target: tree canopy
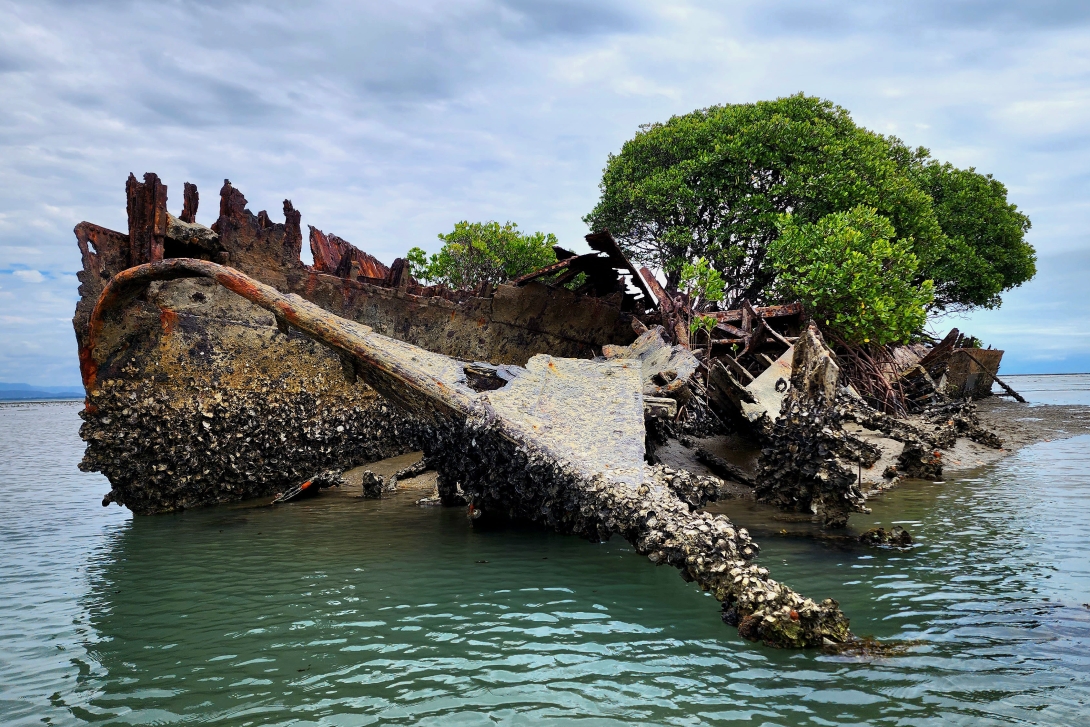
(851, 275)
(478, 252)
(715, 183)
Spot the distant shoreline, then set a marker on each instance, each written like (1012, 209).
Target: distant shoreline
(48, 399)
(1073, 373)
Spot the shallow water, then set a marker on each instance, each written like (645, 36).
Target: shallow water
(345, 612)
(1050, 388)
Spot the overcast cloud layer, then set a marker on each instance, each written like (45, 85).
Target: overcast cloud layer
(388, 122)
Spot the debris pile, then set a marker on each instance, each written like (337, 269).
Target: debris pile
(800, 470)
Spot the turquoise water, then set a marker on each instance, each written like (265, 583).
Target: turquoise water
(348, 612)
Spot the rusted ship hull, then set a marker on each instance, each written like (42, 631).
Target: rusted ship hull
(196, 396)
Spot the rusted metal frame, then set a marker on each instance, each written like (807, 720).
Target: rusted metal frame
(996, 379)
(736, 367)
(942, 349)
(772, 311)
(665, 303)
(754, 333)
(604, 242)
(541, 272)
(668, 309)
(760, 329)
(731, 330)
(190, 200)
(774, 333)
(565, 277)
(147, 212)
(391, 375)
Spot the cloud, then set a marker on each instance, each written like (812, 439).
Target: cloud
(29, 276)
(386, 122)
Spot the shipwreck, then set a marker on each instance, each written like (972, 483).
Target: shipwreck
(219, 367)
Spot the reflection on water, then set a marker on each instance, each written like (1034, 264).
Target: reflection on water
(344, 612)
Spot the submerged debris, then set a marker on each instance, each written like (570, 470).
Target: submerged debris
(896, 536)
(375, 486)
(309, 488)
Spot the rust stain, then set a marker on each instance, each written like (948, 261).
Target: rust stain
(87, 367)
(168, 319)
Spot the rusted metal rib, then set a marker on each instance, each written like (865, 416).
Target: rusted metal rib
(770, 311)
(542, 272)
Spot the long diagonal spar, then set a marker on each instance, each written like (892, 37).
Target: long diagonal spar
(562, 443)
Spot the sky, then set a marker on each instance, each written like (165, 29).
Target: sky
(387, 122)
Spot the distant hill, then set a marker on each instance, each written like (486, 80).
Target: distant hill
(26, 392)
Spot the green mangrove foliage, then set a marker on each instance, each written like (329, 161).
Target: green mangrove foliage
(714, 184)
(478, 252)
(985, 252)
(852, 275)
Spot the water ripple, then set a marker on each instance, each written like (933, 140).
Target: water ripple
(344, 612)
